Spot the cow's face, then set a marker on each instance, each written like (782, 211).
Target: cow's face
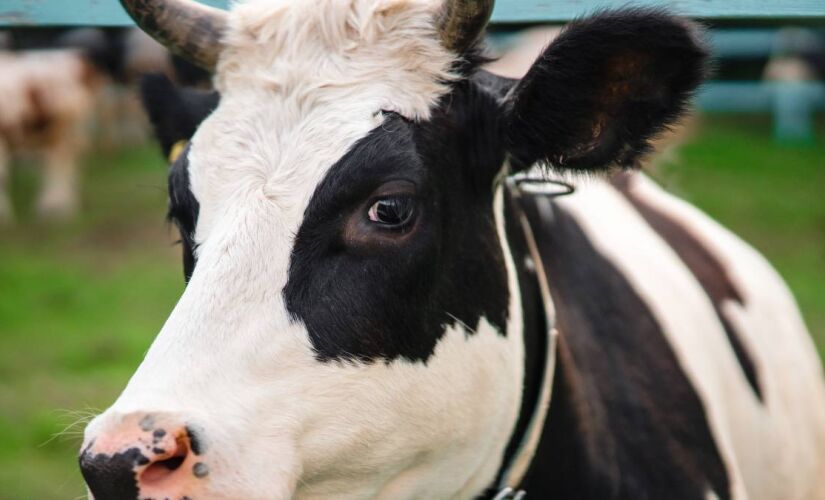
(352, 324)
(340, 221)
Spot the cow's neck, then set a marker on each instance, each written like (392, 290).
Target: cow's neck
(562, 461)
(624, 420)
(560, 457)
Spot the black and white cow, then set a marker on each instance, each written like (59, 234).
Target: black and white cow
(363, 316)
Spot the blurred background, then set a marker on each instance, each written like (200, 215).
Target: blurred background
(89, 268)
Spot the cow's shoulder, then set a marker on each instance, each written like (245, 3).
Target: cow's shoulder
(625, 420)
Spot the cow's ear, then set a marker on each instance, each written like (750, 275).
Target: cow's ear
(603, 89)
(175, 112)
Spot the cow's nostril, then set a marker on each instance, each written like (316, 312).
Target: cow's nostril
(162, 468)
(171, 463)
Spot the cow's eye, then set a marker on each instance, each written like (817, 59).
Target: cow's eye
(393, 212)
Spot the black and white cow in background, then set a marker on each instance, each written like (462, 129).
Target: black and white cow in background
(362, 318)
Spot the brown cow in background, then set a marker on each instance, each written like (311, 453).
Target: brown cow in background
(64, 90)
(48, 101)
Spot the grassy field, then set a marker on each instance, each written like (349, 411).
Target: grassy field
(80, 303)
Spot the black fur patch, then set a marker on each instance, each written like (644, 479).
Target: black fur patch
(709, 271)
(189, 74)
(386, 302)
(604, 88)
(624, 422)
(183, 210)
(175, 112)
(112, 477)
(196, 440)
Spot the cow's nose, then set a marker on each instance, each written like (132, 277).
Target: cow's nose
(144, 456)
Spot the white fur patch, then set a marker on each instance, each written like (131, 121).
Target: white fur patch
(319, 51)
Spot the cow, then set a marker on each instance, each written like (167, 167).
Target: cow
(48, 104)
(385, 300)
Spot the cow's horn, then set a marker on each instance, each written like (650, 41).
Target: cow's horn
(461, 22)
(187, 28)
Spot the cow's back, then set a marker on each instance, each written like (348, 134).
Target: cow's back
(673, 287)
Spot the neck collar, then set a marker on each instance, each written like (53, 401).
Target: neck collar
(520, 453)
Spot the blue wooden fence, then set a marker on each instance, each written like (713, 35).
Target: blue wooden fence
(109, 13)
(792, 104)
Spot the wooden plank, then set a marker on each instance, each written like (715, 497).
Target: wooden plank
(69, 12)
(736, 97)
(520, 11)
(109, 13)
(726, 43)
(752, 97)
(744, 43)
(792, 104)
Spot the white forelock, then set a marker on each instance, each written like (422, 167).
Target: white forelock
(316, 50)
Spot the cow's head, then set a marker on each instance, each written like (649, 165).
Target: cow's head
(352, 325)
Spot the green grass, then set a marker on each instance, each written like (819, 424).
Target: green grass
(80, 303)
